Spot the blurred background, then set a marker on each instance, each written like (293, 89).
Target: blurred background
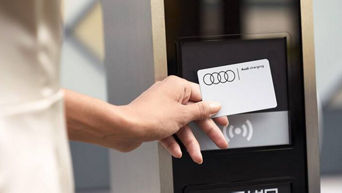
(82, 70)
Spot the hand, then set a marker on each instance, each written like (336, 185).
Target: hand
(160, 112)
(167, 107)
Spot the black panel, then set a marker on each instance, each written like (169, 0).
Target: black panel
(205, 20)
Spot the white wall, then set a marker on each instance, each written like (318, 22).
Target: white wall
(328, 45)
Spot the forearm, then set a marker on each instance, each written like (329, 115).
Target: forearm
(94, 121)
(159, 113)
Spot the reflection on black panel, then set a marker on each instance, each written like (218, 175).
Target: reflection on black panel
(202, 18)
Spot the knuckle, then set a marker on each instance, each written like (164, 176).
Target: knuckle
(186, 93)
(187, 89)
(180, 133)
(202, 111)
(156, 84)
(176, 79)
(177, 83)
(210, 131)
(173, 78)
(124, 150)
(189, 143)
(168, 143)
(127, 148)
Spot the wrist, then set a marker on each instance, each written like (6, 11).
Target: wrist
(132, 122)
(94, 121)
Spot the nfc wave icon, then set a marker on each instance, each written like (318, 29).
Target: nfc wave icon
(246, 131)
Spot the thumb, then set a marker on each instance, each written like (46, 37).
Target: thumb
(202, 110)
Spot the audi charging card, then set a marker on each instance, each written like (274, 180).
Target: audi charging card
(239, 88)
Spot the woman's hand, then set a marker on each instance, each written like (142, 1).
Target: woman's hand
(163, 110)
(166, 109)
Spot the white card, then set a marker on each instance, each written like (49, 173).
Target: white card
(239, 88)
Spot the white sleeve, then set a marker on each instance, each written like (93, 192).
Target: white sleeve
(34, 151)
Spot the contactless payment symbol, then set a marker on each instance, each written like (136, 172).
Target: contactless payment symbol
(246, 131)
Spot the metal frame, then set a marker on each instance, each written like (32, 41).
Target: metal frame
(160, 72)
(136, 58)
(158, 39)
(311, 112)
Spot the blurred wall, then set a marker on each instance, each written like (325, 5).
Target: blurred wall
(328, 38)
(331, 156)
(82, 70)
(328, 41)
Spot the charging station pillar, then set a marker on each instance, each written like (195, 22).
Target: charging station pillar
(146, 40)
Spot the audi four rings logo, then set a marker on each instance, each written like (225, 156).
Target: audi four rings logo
(221, 77)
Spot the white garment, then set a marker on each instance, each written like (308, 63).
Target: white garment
(34, 152)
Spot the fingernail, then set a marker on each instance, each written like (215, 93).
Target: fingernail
(227, 124)
(200, 161)
(178, 154)
(225, 145)
(214, 107)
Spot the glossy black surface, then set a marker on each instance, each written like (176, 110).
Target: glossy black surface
(244, 19)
